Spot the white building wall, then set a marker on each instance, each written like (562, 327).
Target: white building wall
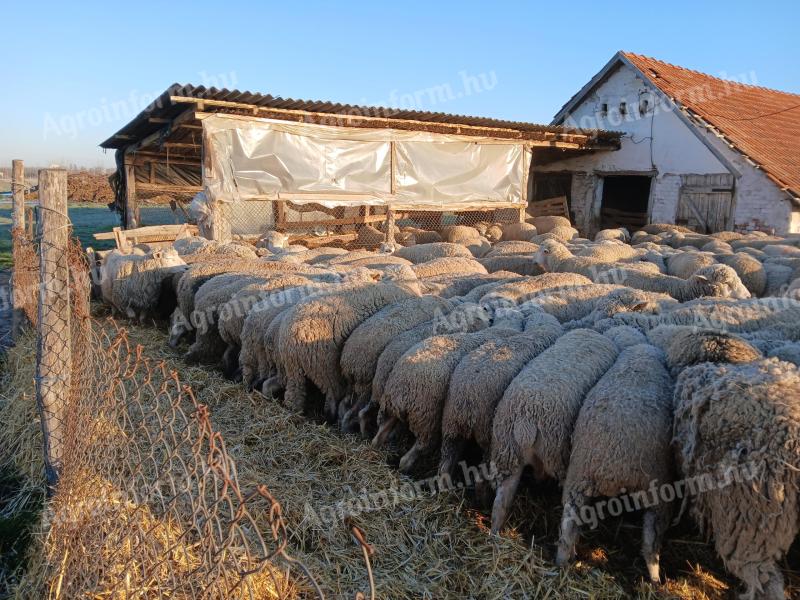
(660, 143)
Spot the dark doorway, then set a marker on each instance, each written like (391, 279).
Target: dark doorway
(553, 185)
(625, 200)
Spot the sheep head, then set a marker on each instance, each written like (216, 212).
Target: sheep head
(720, 281)
(550, 250)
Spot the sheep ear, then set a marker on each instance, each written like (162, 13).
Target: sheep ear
(702, 278)
(639, 307)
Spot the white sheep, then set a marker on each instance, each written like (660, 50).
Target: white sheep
(534, 420)
(517, 263)
(450, 264)
(519, 231)
(715, 280)
(512, 247)
(736, 431)
(144, 287)
(424, 252)
(685, 264)
(479, 382)
(620, 234)
(621, 445)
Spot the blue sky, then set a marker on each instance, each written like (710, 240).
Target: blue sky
(76, 72)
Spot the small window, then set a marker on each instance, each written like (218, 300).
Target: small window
(644, 104)
(623, 108)
(604, 109)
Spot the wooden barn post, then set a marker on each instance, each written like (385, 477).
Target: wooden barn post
(131, 201)
(53, 350)
(18, 229)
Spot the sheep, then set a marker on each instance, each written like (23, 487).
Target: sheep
(749, 269)
(715, 280)
(113, 262)
(562, 232)
(425, 252)
(518, 231)
(534, 419)
(624, 299)
(311, 338)
(782, 250)
(417, 386)
(478, 247)
(278, 243)
(656, 228)
(459, 234)
(450, 264)
(521, 264)
(314, 256)
(737, 427)
(545, 224)
(689, 346)
(238, 250)
(609, 252)
(233, 313)
(420, 236)
(625, 336)
(143, 287)
(378, 262)
(517, 292)
(512, 247)
(759, 243)
(479, 381)
(369, 237)
(685, 264)
(727, 236)
(193, 245)
(450, 285)
(554, 256)
(620, 233)
(574, 302)
(778, 279)
(464, 318)
(621, 445)
(717, 247)
(363, 348)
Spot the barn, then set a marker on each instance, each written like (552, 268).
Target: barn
(708, 153)
(319, 170)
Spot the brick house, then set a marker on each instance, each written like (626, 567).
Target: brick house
(697, 150)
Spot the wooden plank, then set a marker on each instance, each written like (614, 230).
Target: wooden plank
(131, 206)
(18, 318)
(360, 220)
(150, 230)
(552, 207)
(54, 342)
(168, 188)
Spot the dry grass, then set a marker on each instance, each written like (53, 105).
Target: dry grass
(434, 546)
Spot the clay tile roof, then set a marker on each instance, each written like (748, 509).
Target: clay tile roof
(761, 123)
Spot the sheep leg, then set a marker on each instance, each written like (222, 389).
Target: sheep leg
(331, 409)
(570, 529)
(383, 433)
(411, 457)
(351, 417)
(452, 448)
(367, 418)
(654, 524)
(763, 581)
(504, 497)
(295, 395)
(230, 361)
(272, 387)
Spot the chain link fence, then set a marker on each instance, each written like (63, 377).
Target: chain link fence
(144, 498)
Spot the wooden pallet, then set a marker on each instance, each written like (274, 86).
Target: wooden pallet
(126, 238)
(552, 207)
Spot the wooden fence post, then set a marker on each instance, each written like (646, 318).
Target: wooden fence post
(18, 229)
(54, 343)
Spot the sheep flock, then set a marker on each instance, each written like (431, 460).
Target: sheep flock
(656, 371)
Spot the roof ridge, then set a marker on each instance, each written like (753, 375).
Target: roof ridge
(696, 72)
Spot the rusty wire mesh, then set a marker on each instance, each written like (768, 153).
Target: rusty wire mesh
(148, 503)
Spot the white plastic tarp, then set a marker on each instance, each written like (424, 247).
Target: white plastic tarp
(249, 159)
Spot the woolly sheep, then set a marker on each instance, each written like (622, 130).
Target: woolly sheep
(425, 252)
(416, 389)
(655, 228)
(450, 285)
(112, 264)
(621, 300)
(787, 352)
(609, 252)
(727, 236)
(735, 424)
(415, 235)
(685, 264)
(143, 288)
(512, 247)
(450, 264)
(749, 269)
(369, 237)
(517, 292)
(521, 264)
(518, 231)
(690, 346)
(554, 256)
(311, 338)
(778, 279)
(547, 223)
(464, 318)
(782, 250)
(563, 233)
(620, 233)
(481, 379)
(534, 420)
(459, 234)
(478, 247)
(574, 302)
(363, 348)
(715, 280)
(625, 336)
(717, 247)
(621, 445)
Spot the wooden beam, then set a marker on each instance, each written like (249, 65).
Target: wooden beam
(131, 205)
(167, 188)
(334, 222)
(536, 138)
(18, 318)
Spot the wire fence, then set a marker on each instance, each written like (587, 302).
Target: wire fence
(145, 500)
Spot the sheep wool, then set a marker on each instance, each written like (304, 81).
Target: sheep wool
(425, 252)
(450, 264)
(534, 420)
(740, 424)
(621, 445)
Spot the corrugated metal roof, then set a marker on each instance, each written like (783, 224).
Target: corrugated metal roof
(165, 107)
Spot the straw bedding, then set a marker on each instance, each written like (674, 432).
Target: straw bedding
(434, 546)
